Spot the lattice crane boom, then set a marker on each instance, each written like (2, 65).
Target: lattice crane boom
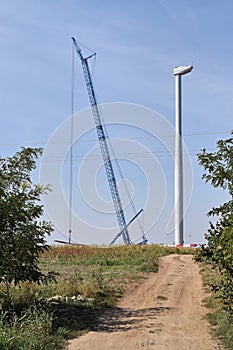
(103, 146)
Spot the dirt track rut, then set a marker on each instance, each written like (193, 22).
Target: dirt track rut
(163, 312)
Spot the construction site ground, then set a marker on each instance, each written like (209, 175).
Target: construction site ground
(163, 311)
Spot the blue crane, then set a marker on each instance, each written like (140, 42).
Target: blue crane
(103, 146)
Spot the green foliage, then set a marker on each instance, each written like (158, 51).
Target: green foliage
(22, 233)
(33, 330)
(218, 317)
(223, 326)
(218, 168)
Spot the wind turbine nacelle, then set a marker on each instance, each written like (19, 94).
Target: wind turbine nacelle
(181, 70)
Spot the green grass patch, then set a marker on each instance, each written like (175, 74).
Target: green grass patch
(33, 330)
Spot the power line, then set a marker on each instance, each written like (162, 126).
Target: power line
(125, 137)
(98, 157)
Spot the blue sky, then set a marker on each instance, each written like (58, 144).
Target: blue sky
(138, 43)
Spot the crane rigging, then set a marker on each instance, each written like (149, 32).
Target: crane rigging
(101, 134)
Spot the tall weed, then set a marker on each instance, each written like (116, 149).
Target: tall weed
(33, 330)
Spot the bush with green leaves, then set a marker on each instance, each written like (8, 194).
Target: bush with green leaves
(218, 168)
(22, 232)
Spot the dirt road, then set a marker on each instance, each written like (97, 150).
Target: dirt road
(164, 311)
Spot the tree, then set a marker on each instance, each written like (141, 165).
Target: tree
(218, 168)
(22, 233)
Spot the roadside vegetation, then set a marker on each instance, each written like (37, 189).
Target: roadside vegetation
(24, 323)
(86, 280)
(218, 253)
(218, 317)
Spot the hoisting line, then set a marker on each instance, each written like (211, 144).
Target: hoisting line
(71, 146)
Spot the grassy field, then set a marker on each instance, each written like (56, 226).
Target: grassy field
(88, 279)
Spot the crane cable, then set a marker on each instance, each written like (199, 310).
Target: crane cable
(71, 144)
